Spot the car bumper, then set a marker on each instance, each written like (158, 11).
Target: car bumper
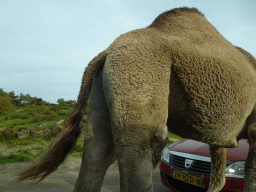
(232, 184)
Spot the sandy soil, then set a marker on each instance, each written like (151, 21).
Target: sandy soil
(71, 164)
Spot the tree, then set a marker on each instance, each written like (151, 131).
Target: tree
(2, 93)
(39, 101)
(61, 101)
(70, 102)
(5, 104)
(23, 99)
(14, 98)
(27, 99)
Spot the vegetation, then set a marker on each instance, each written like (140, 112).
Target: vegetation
(26, 112)
(24, 100)
(5, 104)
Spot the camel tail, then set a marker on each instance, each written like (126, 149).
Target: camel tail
(50, 160)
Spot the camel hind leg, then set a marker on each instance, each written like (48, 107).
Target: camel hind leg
(137, 94)
(99, 148)
(139, 136)
(250, 164)
(137, 156)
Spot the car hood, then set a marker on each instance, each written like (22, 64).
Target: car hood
(199, 148)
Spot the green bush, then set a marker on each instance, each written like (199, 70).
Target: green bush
(5, 104)
(51, 116)
(37, 118)
(14, 123)
(24, 116)
(14, 115)
(64, 112)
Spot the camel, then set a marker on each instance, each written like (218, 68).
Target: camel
(178, 74)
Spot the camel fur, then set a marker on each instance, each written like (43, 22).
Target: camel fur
(179, 74)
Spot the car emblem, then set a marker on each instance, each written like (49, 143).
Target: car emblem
(188, 163)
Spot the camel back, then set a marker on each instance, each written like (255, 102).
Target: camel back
(219, 80)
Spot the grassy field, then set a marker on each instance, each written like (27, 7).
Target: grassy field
(29, 149)
(30, 116)
(16, 150)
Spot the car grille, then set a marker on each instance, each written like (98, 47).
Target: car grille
(198, 166)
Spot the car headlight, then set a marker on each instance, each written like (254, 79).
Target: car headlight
(166, 154)
(236, 169)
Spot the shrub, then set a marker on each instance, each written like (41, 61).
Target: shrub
(14, 123)
(46, 110)
(14, 115)
(24, 116)
(36, 118)
(5, 104)
(64, 112)
(51, 116)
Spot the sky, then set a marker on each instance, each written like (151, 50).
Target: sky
(45, 45)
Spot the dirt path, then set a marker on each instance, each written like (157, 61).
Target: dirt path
(71, 164)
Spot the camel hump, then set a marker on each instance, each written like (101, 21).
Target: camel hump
(165, 16)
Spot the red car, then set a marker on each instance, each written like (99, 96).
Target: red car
(186, 164)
